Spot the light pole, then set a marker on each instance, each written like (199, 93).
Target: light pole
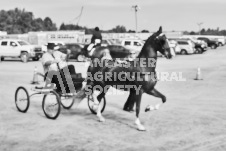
(199, 24)
(135, 7)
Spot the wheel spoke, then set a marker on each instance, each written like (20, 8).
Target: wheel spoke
(51, 105)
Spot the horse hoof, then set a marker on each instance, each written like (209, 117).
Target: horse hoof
(157, 106)
(149, 108)
(101, 119)
(141, 128)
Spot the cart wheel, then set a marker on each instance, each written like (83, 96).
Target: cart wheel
(92, 105)
(51, 105)
(67, 102)
(22, 99)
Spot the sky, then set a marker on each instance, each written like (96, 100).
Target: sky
(172, 15)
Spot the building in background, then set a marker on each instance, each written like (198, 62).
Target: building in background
(42, 38)
(3, 33)
(77, 36)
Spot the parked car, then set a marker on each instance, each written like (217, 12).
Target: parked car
(174, 47)
(200, 45)
(75, 51)
(133, 44)
(220, 39)
(211, 43)
(15, 48)
(119, 51)
(186, 46)
(106, 42)
(219, 42)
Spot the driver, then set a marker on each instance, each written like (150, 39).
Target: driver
(95, 40)
(55, 65)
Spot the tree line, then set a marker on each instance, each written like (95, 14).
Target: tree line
(207, 32)
(19, 21)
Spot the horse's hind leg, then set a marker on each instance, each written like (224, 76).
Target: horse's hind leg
(137, 98)
(130, 102)
(155, 93)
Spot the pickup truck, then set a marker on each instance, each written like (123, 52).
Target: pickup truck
(211, 43)
(15, 48)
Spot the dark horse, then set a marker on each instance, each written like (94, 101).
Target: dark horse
(137, 76)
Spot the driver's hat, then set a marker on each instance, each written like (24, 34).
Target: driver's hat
(52, 46)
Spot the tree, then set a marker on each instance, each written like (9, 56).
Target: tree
(119, 29)
(37, 24)
(131, 31)
(19, 21)
(48, 25)
(71, 27)
(144, 31)
(62, 27)
(193, 33)
(202, 31)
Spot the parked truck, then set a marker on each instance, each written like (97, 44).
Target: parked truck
(15, 48)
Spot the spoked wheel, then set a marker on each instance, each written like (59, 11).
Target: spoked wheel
(67, 101)
(22, 99)
(93, 107)
(51, 105)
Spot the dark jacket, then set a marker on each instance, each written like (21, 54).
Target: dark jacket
(96, 35)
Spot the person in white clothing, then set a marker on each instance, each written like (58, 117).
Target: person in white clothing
(56, 69)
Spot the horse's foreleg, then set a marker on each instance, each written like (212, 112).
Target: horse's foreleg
(138, 102)
(155, 93)
(95, 94)
(99, 98)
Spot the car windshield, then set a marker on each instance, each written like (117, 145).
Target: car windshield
(23, 43)
(111, 41)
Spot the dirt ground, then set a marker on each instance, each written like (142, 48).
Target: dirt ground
(192, 119)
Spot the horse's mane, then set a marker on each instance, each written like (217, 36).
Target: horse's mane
(147, 42)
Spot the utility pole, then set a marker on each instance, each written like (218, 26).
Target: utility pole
(199, 24)
(135, 7)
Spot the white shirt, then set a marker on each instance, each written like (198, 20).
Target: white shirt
(48, 57)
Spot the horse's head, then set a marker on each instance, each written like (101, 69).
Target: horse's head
(162, 43)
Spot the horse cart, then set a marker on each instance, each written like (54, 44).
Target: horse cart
(52, 100)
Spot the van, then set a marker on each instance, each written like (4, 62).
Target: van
(133, 44)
